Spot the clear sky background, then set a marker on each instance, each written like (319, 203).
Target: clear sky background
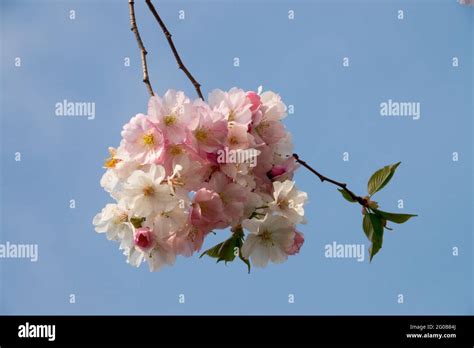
(336, 110)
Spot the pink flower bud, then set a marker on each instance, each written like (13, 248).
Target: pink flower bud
(276, 171)
(143, 238)
(255, 100)
(297, 243)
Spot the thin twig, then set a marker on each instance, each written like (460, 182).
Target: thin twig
(143, 51)
(181, 66)
(360, 200)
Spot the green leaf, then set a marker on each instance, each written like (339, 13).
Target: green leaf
(367, 227)
(373, 228)
(246, 261)
(228, 250)
(397, 218)
(214, 251)
(381, 177)
(346, 195)
(137, 221)
(223, 251)
(377, 235)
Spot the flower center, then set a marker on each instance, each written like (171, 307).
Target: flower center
(191, 235)
(201, 135)
(231, 116)
(148, 139)
(283, 203)
(266, 236)
(165, 214)
(170, 120)
(262, 127)
(175, 150)
(233, 140)
(223, 198)
(122, 217)
(148, 191)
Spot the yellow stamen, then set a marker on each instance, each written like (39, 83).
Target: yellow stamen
(223, 198)
(177, 182)
(231, 116)
(148, 139)
(201, 135)
(233, 140)
(175, 150)
(191, 235)
(112, 160)
(266, 236)
(283, 203)
(123, 217)
(262, 126)
(148, 191)
(170, 120)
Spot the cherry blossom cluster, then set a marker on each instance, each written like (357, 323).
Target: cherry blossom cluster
(188, 168)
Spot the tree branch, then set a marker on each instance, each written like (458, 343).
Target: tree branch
(181, 66)
(360, 200)
(143, 52)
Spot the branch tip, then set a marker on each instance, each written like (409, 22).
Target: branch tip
(143, 51)
(173, 48)
(323, 178)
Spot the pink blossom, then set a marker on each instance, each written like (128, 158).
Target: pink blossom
(234, 105)
(264, 165)
(298, 242)
(209, 129)
(173, 151)
(187, 240)
(172, 114)
(268, 131)
(142, 140)
(238, 137)
(207, 210)
(272, 106)
(233, 196)
(188, 174)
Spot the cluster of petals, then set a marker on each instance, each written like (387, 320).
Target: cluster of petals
(187, 168)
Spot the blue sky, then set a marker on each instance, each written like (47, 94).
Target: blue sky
(336, 111)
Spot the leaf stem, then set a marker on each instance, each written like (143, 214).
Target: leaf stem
(362, 201)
